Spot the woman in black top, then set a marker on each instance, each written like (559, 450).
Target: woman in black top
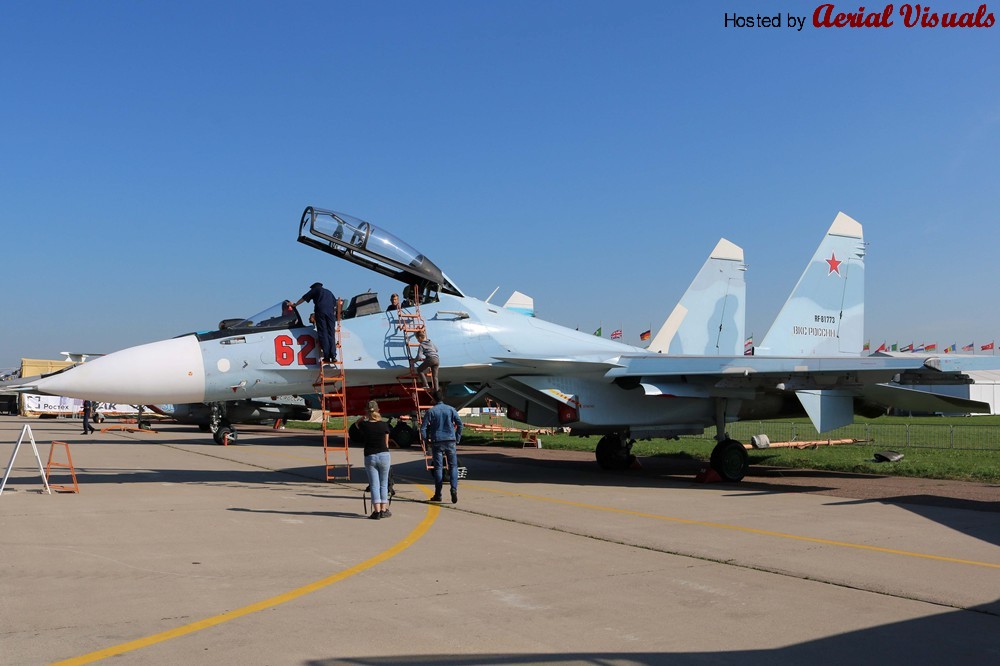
(375, 434)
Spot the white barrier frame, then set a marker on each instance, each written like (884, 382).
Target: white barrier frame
(26, 430)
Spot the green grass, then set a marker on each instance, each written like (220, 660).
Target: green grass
(926, 454)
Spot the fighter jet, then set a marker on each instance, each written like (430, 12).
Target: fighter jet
(546, 374)
(220, 418)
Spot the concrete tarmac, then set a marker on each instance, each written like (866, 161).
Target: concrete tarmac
(177, 550)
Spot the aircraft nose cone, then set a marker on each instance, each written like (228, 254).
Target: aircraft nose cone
(169, 371)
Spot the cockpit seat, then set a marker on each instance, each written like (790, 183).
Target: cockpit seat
(363, 304)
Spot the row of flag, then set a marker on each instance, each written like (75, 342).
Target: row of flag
(645, 335)
(617, 333)
(932, 347)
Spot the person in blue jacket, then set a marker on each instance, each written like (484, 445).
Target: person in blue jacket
(442, 427)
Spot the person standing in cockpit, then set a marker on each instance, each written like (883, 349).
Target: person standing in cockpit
(325, 311)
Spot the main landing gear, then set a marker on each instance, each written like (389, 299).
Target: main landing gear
(404, 435)
(729, 457)
(730, 460)
(614, 452)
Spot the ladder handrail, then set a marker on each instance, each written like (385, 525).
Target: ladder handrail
(338, 391)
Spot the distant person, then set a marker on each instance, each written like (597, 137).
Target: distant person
(393, 303)
(88, 411)
(442, 427)
(427, 354)
(375, 434)
(325, 311)
(408, 293)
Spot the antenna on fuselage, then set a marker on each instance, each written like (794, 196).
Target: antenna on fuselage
(494, 293)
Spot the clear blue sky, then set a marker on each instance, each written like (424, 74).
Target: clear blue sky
(155, 158)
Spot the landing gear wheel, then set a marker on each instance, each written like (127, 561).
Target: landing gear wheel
(224, 432)
(730, 460)
(354, 434)
(403, 435)
(613, 453)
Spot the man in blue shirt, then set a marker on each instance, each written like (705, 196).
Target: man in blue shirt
(442, 428)
(325, 311)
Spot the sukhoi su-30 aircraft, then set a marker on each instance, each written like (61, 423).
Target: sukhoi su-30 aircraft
(693, 376)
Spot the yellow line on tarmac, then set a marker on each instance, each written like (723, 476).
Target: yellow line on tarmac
(737, 528)
(433, 511)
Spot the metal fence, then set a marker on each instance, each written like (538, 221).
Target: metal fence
(966, 437)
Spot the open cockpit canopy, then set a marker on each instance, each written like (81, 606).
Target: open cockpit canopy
(376, 249)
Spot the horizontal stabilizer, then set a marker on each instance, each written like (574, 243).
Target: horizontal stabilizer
(912, 400)
(828, 409)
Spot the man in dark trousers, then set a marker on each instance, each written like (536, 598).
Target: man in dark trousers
(88, 408)
(442, 427)
(325, 311)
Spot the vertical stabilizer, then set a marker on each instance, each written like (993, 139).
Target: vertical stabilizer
(825, 314)
(521, 303)
(710, 318)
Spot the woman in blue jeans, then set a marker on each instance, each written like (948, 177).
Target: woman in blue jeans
(375, 433)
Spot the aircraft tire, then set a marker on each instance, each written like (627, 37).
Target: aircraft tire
(403, 435)
(354, 436)
(225, 431)
(730, 460)
(611, 454)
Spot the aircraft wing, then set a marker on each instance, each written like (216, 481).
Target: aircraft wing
(869, 368)
(21, 385)
(826, 387)
(561, 365)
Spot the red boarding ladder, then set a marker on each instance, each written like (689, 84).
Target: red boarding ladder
(333, 400)
(408, 323)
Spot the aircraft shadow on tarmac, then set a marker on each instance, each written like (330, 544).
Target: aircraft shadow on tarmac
(508, 464)
(956, 637)
(963, 516)
(327, 514)
(247, 477)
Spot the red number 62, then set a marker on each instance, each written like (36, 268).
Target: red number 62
(284, 354)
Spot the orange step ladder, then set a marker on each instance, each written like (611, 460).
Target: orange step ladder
(66, 465)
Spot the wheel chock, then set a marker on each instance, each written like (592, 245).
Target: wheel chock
(708, 475)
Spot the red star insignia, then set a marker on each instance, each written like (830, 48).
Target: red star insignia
(834, 263)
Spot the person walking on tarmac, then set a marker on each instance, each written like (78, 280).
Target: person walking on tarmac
(88, 409)
(442, 427)
(325, 311)
(375, 433)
